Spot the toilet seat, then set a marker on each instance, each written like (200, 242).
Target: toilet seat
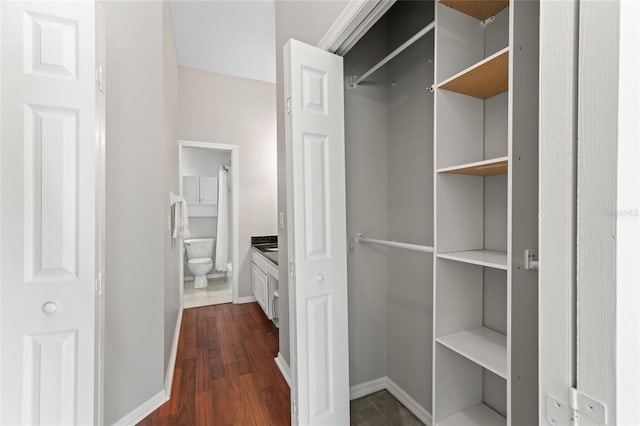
(200, 261)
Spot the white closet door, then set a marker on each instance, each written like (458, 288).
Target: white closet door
(208, 190)
(48, 246)
(317, 235)
(191, 189)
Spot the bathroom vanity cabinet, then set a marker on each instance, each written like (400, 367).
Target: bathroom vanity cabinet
(264, 284)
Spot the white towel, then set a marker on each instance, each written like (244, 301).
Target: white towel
(180, 217)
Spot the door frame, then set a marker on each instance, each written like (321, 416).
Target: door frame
(589, 321)
(101, 212)
(234, 207)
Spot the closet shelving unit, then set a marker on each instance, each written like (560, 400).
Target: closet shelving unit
(485, 310)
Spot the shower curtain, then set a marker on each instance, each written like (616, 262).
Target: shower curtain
(222, 234)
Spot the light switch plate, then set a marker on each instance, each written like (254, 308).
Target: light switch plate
(281, 220)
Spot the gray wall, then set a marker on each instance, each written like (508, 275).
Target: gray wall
(141, 300)
(389, 137)
(410, 150)
(366, 128)
(224, 109)
(306, 21)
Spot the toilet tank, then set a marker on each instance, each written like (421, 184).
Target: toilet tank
(199, 247)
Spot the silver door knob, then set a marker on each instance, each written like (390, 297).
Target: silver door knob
(319, 278)
(49, 308)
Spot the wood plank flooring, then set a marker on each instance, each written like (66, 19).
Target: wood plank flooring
(225, 373)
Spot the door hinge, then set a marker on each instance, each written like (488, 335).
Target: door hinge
(292, 268)
(580, 405)
(531, 259)
(295, 409)
(288, 102)
(100, 78)
(99, 283)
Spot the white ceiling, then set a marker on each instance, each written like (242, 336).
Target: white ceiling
(228, 37)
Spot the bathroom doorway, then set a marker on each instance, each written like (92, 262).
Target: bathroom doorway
(208, 253)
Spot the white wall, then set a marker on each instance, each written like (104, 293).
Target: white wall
(247, 28)
(141, 298)
(306, 21)
(220, 108)
(203, 162)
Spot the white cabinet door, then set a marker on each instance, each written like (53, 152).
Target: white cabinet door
(48, 181)
(191, 189)
(317, 235)
(208, 190)
(260, 285)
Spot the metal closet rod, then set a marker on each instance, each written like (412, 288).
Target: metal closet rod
(415, 247)
(395, 53)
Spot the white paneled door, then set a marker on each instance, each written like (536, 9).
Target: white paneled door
(317, 235)
(50, 147)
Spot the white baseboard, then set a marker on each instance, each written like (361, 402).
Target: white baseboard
(376, 385)
(143, 410)
(418, 410)
(283, 367)
(367, 388)
(168, 379)
(246, 299)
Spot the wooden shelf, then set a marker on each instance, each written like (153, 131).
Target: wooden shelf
(488, 258)
(495, 166)
(483, 346)
(483, 80)
(478, 415)
(479, 9)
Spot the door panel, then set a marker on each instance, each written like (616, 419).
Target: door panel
(48, 172)
(317, 235)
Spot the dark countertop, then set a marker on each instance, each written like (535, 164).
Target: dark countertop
(267, 246)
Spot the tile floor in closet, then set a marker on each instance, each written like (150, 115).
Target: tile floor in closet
(381, 408)
(218, 291)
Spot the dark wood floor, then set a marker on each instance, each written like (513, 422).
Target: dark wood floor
(225, 373)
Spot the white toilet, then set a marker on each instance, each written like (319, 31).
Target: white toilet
(200, 262)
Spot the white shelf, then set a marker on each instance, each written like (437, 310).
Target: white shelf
(488, 258)
(478, 415)
(492, 167)
(483, 346)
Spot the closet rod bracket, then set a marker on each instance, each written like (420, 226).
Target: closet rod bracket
(487, 21)
(352, 81)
